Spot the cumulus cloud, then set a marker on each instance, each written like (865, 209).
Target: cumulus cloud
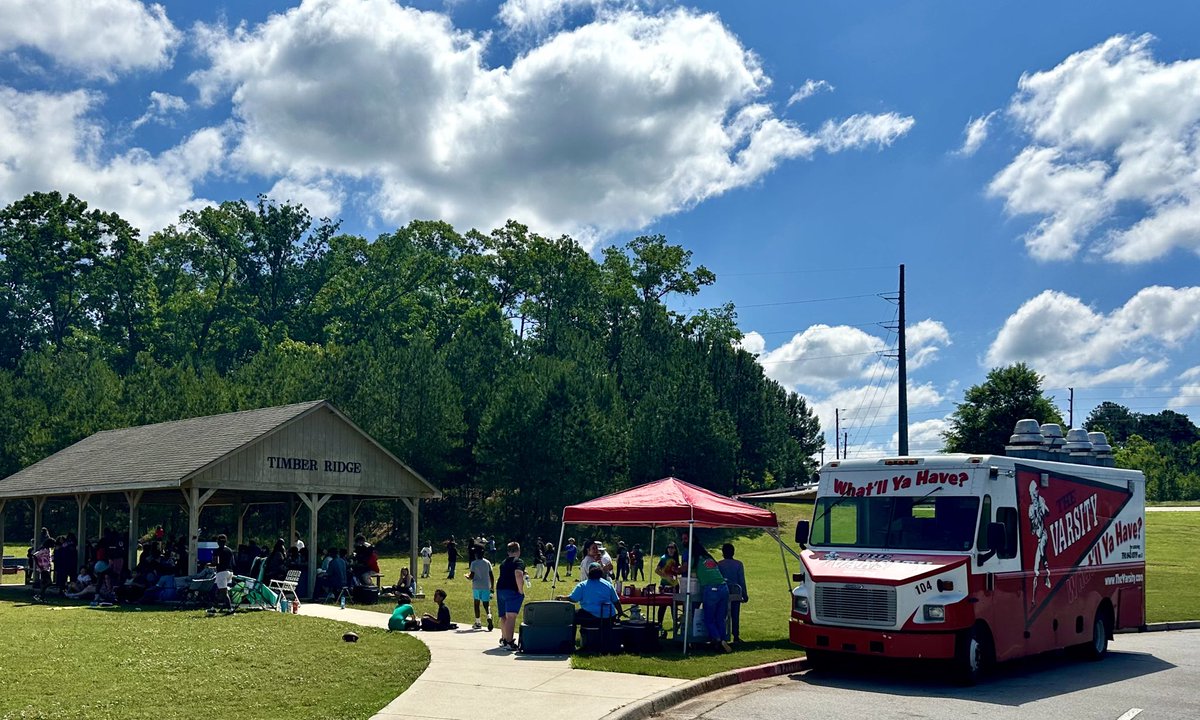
(96, 38)
(924, 340)
(1113, 161)
(822, 357)
(808, 89)
(866, 410)
(1069, 342)
(48, 141)
(1188, 394)
(322, 197)
(161, 106)
(597, 129)
(975, 134)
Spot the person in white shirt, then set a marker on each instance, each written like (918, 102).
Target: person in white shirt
(426, 559)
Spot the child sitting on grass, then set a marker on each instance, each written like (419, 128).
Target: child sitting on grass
(404, 617)
(442, 621)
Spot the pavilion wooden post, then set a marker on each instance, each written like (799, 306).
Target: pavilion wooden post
(2, 504)
(413, 546)
(292, 510)
(134, 498)
(314, 501)
(38, 503)
(81, 529)
(352, 507)
(195, 498)
(240, 514)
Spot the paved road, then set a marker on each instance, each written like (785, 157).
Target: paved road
(1152, 676)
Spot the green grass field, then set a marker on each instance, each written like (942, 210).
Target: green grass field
(71, 661)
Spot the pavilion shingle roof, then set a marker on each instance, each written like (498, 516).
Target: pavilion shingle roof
(151, 456)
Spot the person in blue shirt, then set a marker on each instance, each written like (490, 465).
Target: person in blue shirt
(570, 550)
(596, 596)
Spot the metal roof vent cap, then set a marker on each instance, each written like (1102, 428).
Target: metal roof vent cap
(1099, 443)
(1026, 432)
(1052, 436)
(1077, 441)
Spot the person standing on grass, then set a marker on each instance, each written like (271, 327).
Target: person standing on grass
(551, 563)
(510, 593)
(451, 557)
(223, 564)
(668, 572)
(637, 563)
(42, 561)
(482, 582)
(716, 597)
(735, 574)
(622, 561)
(539, 548)
(570, 550)
(426, 559)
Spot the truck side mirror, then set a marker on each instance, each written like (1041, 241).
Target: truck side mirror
(802, 533)
(997, 540)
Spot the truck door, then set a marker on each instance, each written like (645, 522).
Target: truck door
(1000, 582)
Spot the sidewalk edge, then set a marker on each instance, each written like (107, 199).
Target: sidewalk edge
(1164, 626)
(657, 703)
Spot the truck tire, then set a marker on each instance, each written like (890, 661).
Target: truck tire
(1098, 647)
(971, 660)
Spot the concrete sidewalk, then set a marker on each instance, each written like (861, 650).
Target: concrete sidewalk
(470, 676)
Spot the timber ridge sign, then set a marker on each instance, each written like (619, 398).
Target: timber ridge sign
(311, 465)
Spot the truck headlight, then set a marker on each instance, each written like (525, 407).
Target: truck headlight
(935, 613)
(800, 604)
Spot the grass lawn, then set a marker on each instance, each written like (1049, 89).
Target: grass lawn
(1172, 572)
(70, 661)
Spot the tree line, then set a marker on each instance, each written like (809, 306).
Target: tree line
(516, 372)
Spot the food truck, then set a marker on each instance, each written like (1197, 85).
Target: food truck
(973, 558)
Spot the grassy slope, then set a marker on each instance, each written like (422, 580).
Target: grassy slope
(71, 661)
(1172, 570)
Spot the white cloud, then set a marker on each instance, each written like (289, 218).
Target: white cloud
(322, 198)
(975, 134)
(1188, 394)
(868, 410)
(48, 142)
(541, 16)
(161, 106)
(97, 38)
(1113, 134)
(861, 130)
(752, 342)
(823, 357)
(924, 340)
(1069, 342)
(808, 89)
(598, 129)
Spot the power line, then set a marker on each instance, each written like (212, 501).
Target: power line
(819, 357)
(805, 302)
(804, 272)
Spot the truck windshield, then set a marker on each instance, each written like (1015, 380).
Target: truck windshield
(934, 522)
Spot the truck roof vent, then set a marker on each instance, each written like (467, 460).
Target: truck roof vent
(1026, 432)
(1052, 437)
(1101, 449)
(1078, 444)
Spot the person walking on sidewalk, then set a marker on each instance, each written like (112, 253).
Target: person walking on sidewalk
(510, 593)
(482, 581)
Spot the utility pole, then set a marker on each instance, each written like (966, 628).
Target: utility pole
(1071, 408)
(846, 446)
(837, 434)
(901, 358)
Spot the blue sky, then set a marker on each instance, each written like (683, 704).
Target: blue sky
(1036, 166)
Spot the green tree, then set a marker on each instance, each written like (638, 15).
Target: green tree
(1114, 420)
(984, 420)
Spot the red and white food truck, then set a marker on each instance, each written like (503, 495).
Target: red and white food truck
(973, 558)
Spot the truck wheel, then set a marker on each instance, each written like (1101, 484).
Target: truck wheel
(1098, 647)
(972, 657)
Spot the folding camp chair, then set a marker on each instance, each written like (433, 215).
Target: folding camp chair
(199, 592)
(251, 591)
(287, 586)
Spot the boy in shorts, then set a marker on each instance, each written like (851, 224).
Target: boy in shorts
(482, 581)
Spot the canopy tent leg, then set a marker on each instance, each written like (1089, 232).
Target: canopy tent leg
(687, 590)
(782, 547)
(557, 554)
(134, 498)
(82, 500)
(414, 506)
(194, 498)
(652, 555)
(314, 501)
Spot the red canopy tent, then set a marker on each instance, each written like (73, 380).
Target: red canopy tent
(669, 502)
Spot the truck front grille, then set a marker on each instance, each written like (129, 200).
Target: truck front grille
(868, 605)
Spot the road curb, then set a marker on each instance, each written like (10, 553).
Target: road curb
(659, 702)
(1165, 626)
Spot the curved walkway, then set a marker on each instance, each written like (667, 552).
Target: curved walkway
(470, 677)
